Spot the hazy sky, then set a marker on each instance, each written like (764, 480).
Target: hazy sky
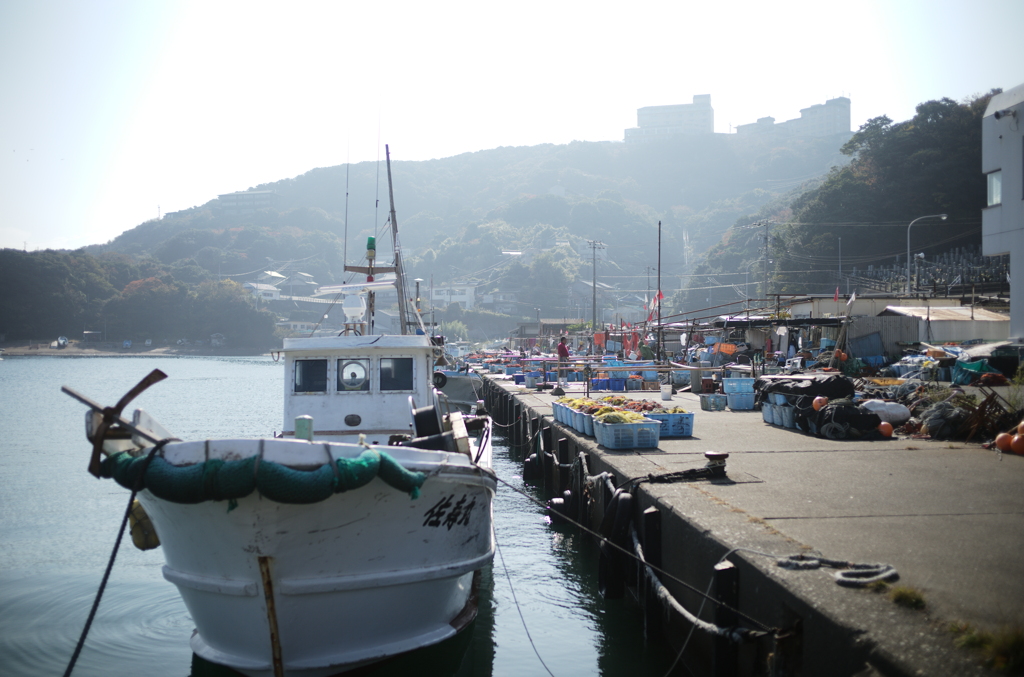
(111, 109)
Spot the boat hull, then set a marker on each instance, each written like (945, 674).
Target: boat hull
(325, 587)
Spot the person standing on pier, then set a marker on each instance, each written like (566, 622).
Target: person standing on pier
(563, 358)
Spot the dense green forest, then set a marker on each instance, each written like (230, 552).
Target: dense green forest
(459, 217)
(53, 293)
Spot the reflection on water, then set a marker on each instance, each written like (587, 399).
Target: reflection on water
(57, 527)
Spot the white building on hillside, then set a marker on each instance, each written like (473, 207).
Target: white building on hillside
(657, 122)
(821, 119)
(463, 294)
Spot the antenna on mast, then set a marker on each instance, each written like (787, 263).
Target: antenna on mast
(344, 250)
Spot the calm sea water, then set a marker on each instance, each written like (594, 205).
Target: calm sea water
(58, 525)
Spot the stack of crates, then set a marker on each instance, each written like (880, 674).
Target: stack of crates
(740, 392)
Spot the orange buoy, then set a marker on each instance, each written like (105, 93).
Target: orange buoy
(1003, 441)
(819, 402)
(843, 357)
(1020, 428)
(1017, 444)
(885, 428)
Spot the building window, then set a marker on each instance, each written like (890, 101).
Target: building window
(311, 376)
(396, 373)
(995, 188)
(353, 375)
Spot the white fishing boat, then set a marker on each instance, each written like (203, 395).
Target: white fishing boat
(354, 535)
(463, 390)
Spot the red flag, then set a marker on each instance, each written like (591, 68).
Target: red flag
(836, 297)
(654, 304)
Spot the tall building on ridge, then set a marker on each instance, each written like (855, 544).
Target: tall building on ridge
(657, 122)
(821, 119)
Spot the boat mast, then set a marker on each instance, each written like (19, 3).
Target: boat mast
(403, 317)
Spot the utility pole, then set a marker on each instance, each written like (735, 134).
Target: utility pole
(594, 246)
(648, 269)
(766, 259)
(661, 334)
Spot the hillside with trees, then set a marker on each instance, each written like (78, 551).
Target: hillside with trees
(520, 220)
(927, 165)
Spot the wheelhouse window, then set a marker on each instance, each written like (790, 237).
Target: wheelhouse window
(353, 375)
(995, 188)
(396, 373)
(311, 376)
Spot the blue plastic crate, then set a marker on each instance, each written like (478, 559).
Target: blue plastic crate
(741, 401)
(583, 423)
(643, 435)
(713, 401)
(617, 384)
(599, 384)
(510, 371)
(674, 425)
(784, 416)
(632, 384)
(738, 385)
(519, 379)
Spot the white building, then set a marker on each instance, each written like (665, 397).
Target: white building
(263, 291)
(463, 294)
(1002, 220)
(246, 202)
(821, 119)
(657, 122)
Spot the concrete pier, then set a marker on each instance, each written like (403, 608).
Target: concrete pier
(948, 516)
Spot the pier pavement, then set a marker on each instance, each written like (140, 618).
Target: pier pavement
(949, 516)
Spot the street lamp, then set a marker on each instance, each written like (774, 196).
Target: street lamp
(930, 216)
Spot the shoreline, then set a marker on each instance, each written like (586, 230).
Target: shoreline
(30, 349)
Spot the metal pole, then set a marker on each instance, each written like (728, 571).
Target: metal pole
(593, 286)
(399, 272)
(661, 335)
(765, 260)
(930, 216)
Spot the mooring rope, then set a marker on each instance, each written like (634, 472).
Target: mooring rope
(113, 556)
(631, 555)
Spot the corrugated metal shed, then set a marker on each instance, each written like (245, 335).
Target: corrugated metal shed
(957, 313)
(892, 329)
(942, 325)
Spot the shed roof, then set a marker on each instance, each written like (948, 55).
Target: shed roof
(947, 313)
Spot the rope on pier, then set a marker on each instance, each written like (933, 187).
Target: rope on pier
(851, 574)
(736, 634)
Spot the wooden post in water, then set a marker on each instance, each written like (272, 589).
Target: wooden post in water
(727, 591)
(650, 524)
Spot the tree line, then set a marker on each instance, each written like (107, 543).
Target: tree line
(60, 293)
